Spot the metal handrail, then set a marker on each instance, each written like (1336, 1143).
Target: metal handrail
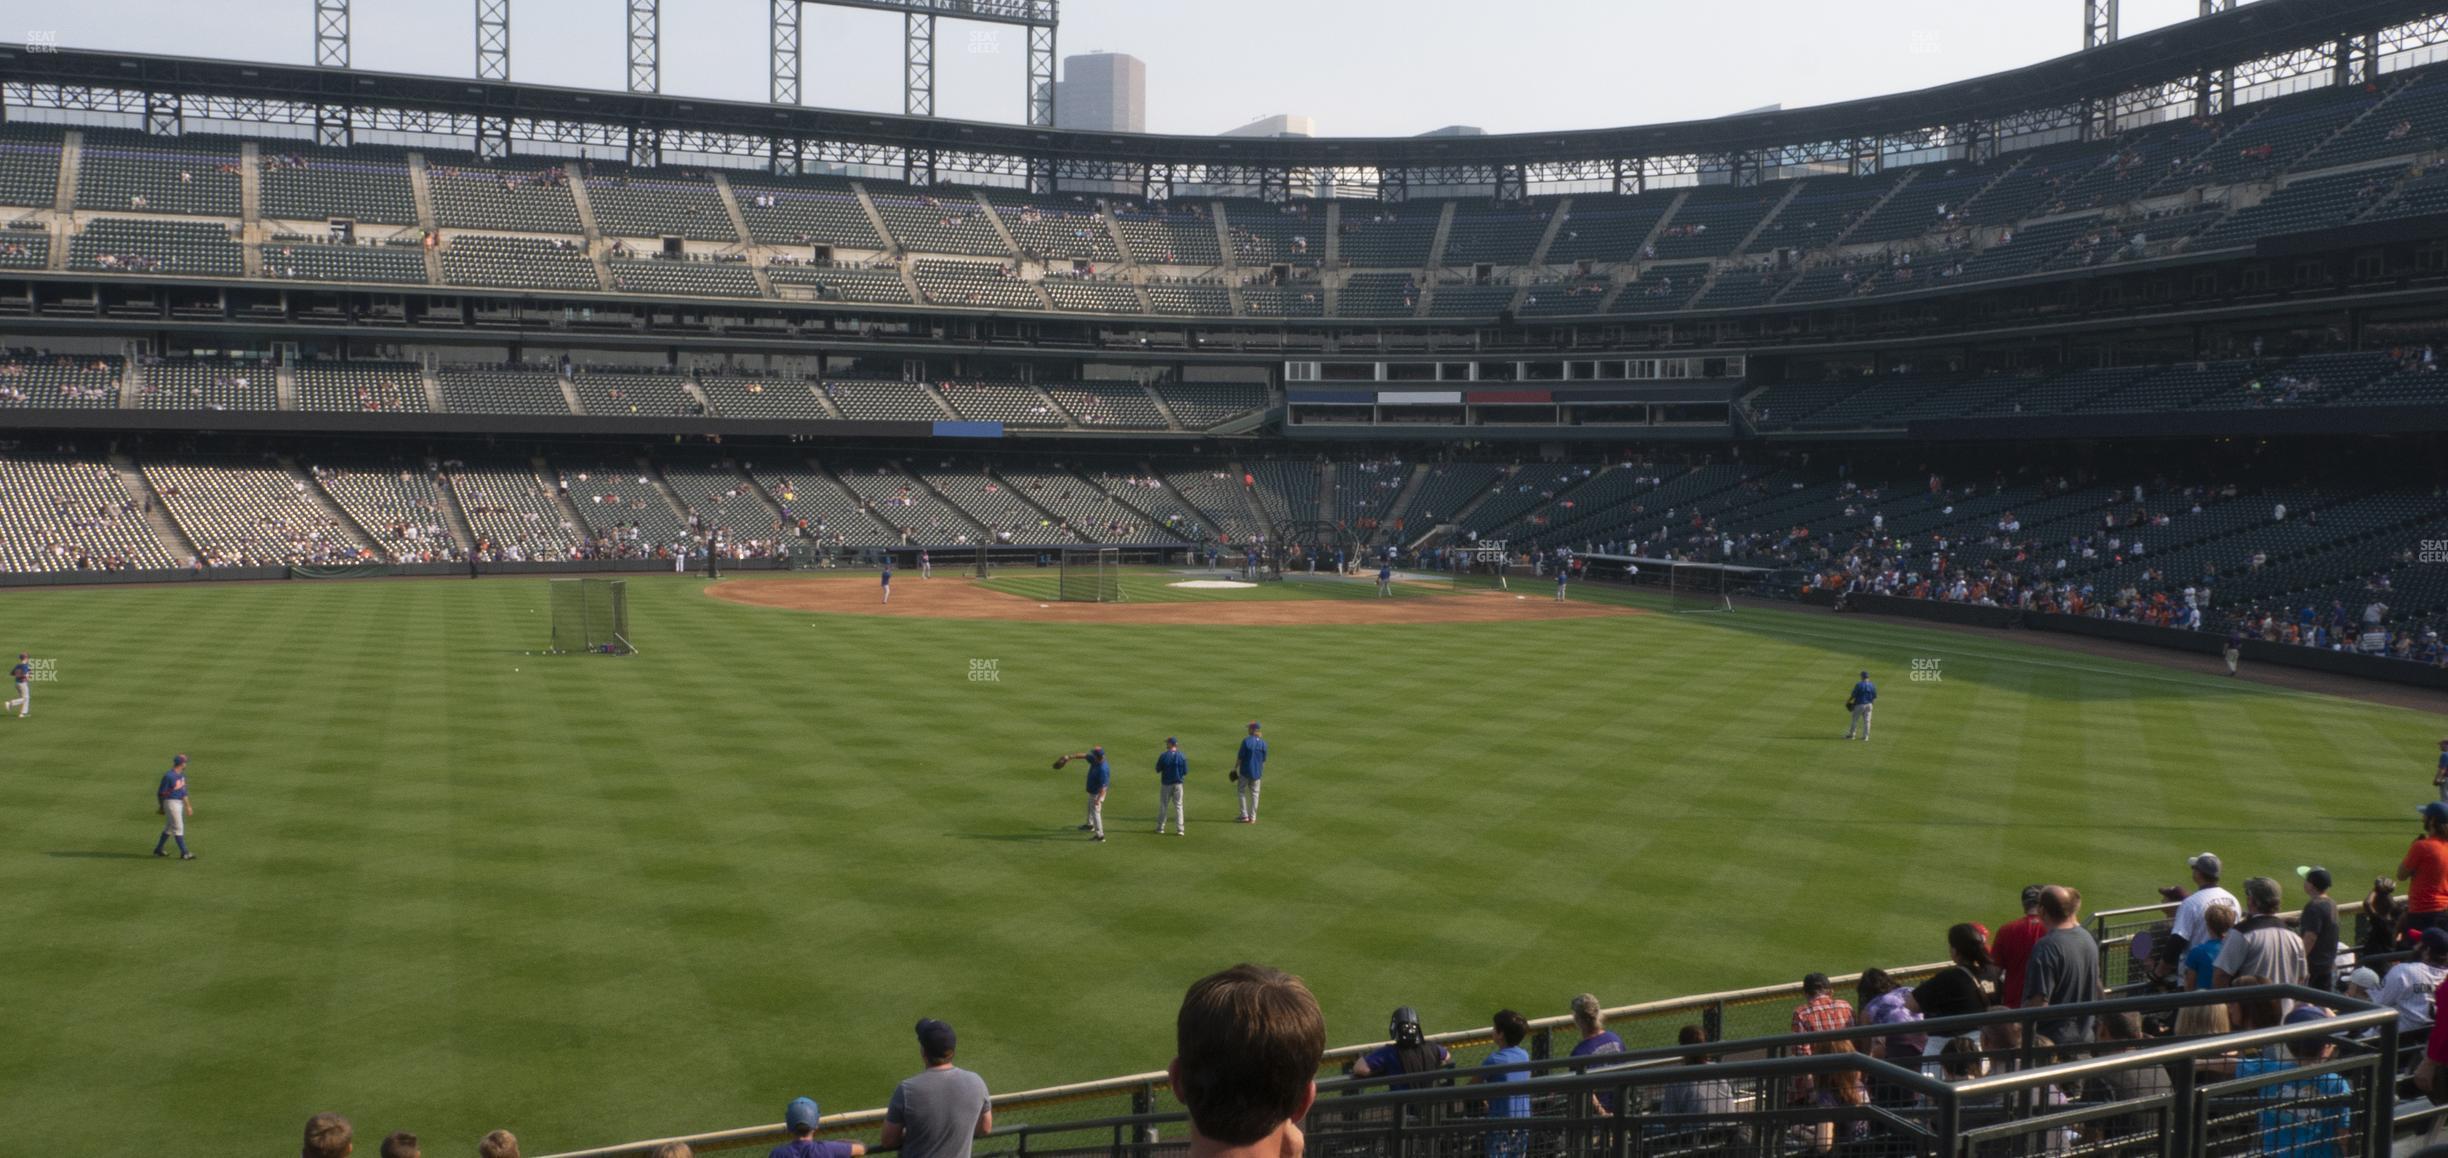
(1154, 1081)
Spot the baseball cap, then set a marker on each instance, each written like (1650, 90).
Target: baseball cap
(2031, 895)
(935, 1039)
(802, 1115)
(2364, 978)
(181, 758)
(2305, 1011)
(1253, 725)
(1172, 739)
(1814, 982)
(2314, 875)
(2207, 864)
(1865, 675)
(2434, 811)
(2435, 939)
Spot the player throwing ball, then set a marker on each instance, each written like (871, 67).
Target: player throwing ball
(1864, 694)
(1100, 777)
(170, 799)
(23, 675)
(1172, 769)
(1248, 766)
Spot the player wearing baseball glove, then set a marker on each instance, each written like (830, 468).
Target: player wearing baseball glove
(1061, 762)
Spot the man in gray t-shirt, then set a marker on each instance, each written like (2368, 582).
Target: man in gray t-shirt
(936, 1112)
(2064, 967)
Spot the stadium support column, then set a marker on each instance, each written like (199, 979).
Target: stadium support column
(1041, 73)
(918, 64)
(785, 40)
(332, 51)
(645, 46)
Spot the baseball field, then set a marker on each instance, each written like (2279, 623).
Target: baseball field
(445, 884)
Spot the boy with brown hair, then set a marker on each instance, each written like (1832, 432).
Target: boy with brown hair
(1247, 1044)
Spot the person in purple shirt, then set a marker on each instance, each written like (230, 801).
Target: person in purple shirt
(1409, 1053)
(801, 1119)
(1596, 1039)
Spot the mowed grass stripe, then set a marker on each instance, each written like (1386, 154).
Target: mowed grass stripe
(593, 899)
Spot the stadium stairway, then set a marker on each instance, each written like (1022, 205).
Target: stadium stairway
(455, 517)
(284, 388)
(71, 162)
(553, 493)
(662, 486)
(1401, 506)
(569, 389)
(919, 480)
(331, 507)
(250, 182)
(1436, 245)
(1555, 224)
(156, 513)
(1750, 239)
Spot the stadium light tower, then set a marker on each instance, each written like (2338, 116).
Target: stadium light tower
(2100, 22)
(1039, 17)
(492, 39)
(645, 46)
(331, 33)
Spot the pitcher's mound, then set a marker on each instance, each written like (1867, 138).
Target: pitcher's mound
(963, 599)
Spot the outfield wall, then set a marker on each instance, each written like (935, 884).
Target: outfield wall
(2371, 667)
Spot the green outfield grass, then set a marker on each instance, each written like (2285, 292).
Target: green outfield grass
(448, 885)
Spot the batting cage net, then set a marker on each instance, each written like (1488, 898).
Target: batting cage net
(984, 571)
(1698, 587)
(591, 615)
(1090, 575)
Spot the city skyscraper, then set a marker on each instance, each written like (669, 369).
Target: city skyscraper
(1102, 92)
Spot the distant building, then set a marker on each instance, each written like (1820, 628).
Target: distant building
(1102, 92)
(1456, 131)
(1279, 125)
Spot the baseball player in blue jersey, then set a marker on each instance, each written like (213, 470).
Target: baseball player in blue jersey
(1864, 694)
(1248, 767)
(888, 580)
(1100, 777)
(1172, 769)
(170, 799)
(1385, 579)
(2439, 779)
(926, 565)
(23, 673)
(1562, 575)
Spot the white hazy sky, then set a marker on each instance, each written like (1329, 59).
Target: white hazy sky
(1361, 67)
